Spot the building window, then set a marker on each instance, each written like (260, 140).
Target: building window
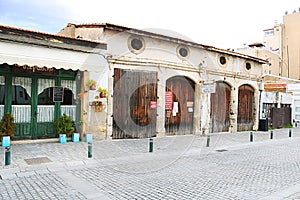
(2, 95)
(269, 32)
(183, 52)
(136, 44)
(248, 66)
(222, 60)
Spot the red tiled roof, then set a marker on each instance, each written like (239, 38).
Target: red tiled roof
(46, 34)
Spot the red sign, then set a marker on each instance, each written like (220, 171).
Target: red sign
(153, 104)
(169, 100)
(275, 87)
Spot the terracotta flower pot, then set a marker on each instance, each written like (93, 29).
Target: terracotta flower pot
(93, 87)
(102, 95)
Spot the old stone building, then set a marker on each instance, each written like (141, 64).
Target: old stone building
(163, 85)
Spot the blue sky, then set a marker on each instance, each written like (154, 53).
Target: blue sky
(224, 24)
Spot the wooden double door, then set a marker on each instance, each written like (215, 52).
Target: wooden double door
(134, 104)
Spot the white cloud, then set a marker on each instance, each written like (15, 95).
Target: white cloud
(225, 24)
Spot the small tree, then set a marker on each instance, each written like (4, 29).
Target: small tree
(64, 125)
(7, 125)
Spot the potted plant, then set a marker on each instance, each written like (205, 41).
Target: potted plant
(92, 84)
(102, 92)
(98, 104)
(7, 129)
(64, 127)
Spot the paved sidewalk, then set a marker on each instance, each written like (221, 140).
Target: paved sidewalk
(124, 169)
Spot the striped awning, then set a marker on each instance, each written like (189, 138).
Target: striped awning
(21, 54)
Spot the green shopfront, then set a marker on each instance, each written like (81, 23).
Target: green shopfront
(36, 96)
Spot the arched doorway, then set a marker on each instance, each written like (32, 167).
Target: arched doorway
(179, 111)
(220, 108)
(245, 120)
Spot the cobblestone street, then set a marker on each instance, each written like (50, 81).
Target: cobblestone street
(181, 167)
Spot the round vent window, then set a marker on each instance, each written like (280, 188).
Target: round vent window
(248, 66)
(183, 52)
(223, 60)
(136, 44)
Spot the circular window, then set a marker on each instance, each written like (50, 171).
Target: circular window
(136, 44)
(183, 52)
(248, 66)
(223, 60)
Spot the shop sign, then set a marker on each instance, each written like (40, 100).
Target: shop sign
(209, 87)
(168, 100)
(275, 87)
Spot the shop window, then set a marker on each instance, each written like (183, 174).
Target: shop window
(21, 99)
(2, 96)
(68, 106)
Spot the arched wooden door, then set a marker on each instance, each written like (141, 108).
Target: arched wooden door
(220, 108)
(245, 118)
(179, 112)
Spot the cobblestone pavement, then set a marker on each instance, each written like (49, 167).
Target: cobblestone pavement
(181, 167)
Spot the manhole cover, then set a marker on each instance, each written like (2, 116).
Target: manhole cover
(221, 150)
(35, 161)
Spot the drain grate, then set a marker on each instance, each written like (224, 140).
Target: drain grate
(221, 150)
(36, 161)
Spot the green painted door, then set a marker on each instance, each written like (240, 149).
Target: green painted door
(44, 112)
(32, 107)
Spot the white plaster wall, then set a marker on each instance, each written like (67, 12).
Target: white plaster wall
(294, 89)
(161, 56)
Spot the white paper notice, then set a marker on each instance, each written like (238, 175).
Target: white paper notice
(175, 107)
(174, 113)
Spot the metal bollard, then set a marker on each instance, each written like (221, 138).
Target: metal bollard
(271, 135)
(251, 136)
(151, 145)
(290, 133)
(90, 146)
(7, 156)
(207, 141)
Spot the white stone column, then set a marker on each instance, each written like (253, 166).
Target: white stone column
(160, 120)
(109, 117)
(197, 110)
(205, 113)
(233, 108)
